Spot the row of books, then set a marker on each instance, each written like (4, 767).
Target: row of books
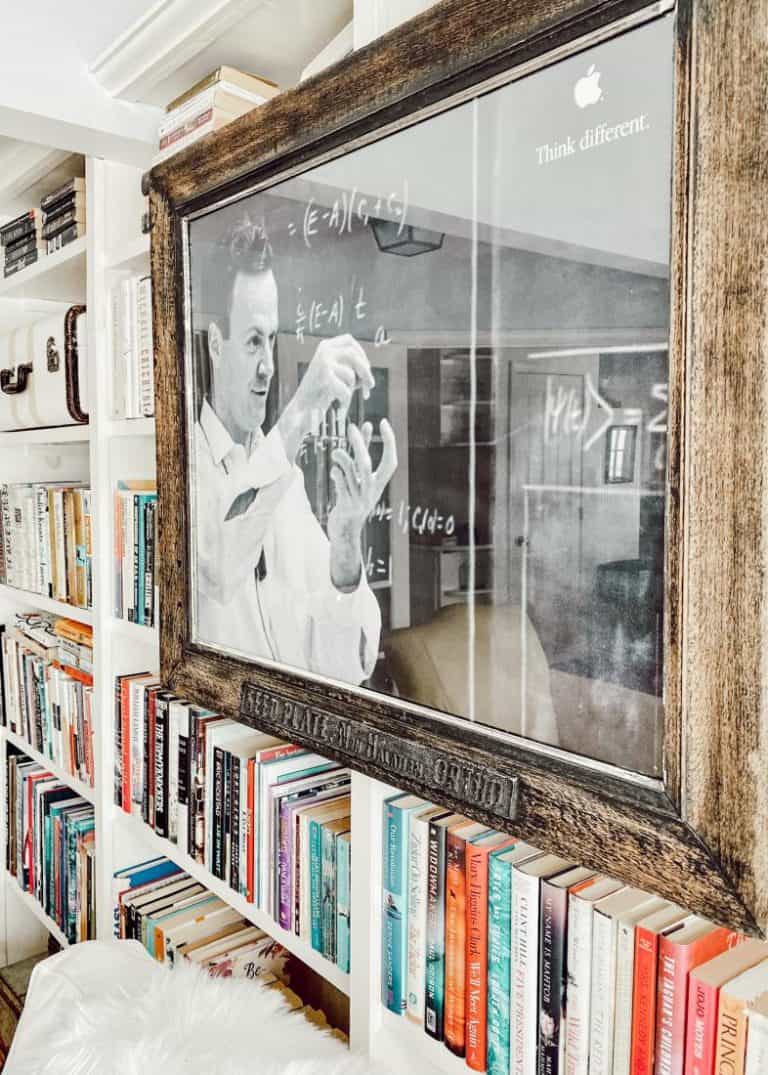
(133, 391)
(134, 552)
(220, 97)
(47, 687)
(176, 917)
(51, 846)
(525, 963)
(45, 540)
(266, 817)
(58, 221)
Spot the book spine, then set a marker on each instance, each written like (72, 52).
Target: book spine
(757, 1045)
(328, 910)
(477, 956)
(553, 912)
(218, 812)
(234, 815)
(602, 1000)
(63, 220)
(182, 830)
(66, 236)
(499, 964)
(73, 187)
(731, 1048)
(394, 909)
(418, 852)
(644, 1002)
(434, 992)
(622, 1030)
(456, 911)
(701, 1033)
(12, 267)
(161, 827)
(28, 223)
(138, 558)
(343, 874)
(173, 771)
(316, 884)
(579, 986)
(525, 965)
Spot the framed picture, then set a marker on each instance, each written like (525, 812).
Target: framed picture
(460, 349)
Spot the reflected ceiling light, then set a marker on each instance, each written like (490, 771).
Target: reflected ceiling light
(408, 241)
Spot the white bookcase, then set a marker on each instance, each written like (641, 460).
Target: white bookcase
(103, 452)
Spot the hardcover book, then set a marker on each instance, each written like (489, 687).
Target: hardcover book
(737, 998)
(418, 867)
(457, 919)
(434, 988)
(704, 987)
(647, 933)
(553, 915)
(395, 835)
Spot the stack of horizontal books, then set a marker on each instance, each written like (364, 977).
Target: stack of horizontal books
(211, 103)
(59, 221)
(63, 215)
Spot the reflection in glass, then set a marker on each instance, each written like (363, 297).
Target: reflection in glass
(485, 295)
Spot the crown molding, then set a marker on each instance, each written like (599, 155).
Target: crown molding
(170, 34)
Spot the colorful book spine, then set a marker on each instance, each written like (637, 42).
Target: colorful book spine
(434, 992)
(644, 1013)
(455, 943)
(499, 964)
(477, 956)
(552, 976)
(395, 910)
(316, 884)
(525, 965)
(343, 878)
(418, 866)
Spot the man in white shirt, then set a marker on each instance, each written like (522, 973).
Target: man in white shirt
(271, 584)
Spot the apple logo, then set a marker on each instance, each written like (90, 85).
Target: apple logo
(587, 91)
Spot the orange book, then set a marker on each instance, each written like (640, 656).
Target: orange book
(454, 1031)
(477, 853)
(736, 999)
(704, 987)
(696, 942)
(647, 933)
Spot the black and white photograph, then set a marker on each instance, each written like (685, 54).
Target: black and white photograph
(427, 388)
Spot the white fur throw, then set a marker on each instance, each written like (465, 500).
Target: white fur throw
(186, 1023)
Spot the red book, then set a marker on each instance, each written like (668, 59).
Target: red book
(477, 944)
(704, 987)
(647, 931)
(454, 1031)
(696, 942)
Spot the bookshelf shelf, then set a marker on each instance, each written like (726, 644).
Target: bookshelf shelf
(79, 434)
(131, 256)
(46, 604)
(60, 276)
(399, 1037)
(132, 427)
(134, 630)
(32, 905)
(293, 944)
(71, 781)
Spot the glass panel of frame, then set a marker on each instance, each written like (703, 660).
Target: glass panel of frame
(428, 386)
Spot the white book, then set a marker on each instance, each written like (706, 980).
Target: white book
(579, 962)
(757, 1038)
(116, 335)
(43, 540)
(146, 366)
(215, 736)
(524, 995)
(603, 993)
(418, 854)
(201, 103)
(625, 974)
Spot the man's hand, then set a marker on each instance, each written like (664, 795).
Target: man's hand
(358, 490)
(338, 367)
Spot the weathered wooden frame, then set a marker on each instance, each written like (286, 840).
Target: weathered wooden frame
(699, 836)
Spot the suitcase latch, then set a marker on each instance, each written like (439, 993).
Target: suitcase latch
(14, 382)
(52, 355)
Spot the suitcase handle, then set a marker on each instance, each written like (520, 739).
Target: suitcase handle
(15, 388)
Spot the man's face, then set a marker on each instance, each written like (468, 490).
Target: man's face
(243, 365)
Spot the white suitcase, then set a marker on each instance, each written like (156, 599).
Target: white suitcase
(44, 373)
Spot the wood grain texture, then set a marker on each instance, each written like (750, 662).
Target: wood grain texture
(704, 840)
(727, 531)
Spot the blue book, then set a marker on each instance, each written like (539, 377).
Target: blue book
(394, 952)
(500, 866)
(343, 864)
(316, 884)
